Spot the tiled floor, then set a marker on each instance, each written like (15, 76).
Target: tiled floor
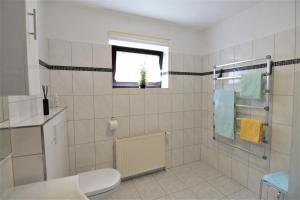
(193, 181)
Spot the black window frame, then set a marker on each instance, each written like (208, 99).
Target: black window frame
(116, 48)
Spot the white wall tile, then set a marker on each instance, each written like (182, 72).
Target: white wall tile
(83, 83)
(121, 105)
(137, 104)
(244, 51)
(284, 80)
(177, 157)
(84, 131)
(61, 82)
(198, 63)
(282, 110)
(205, 63)
(85, 155)
(81, 54)
(198, 84)
(254, 180)
(188, 102)
(188, 119)
(102, 56)
(137, 125)
(176, 62)
(239, 172)
(188, 154)
(188, 63)
(177, 139)
(263, 47)
(197, 118)
(227, 55)
(224, 163)
(59, 52)
(177, 102)
(214, 59)
(103, 106)
(279, 162)
(177, 83)
(83, 107)
(188, 84)
(197, 152)
(151, 123)
(197, 135)
(102, 83)
(102, 130)
(67, 101)
(151, 104)
(177, 121)
(281, 138)
(164, 122)
(285, 45)
(164, 103)
(123, 129)
(104, 151)
(188, 137)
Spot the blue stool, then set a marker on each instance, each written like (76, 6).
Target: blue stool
(278, 181)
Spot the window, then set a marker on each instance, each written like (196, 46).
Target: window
(127, 63)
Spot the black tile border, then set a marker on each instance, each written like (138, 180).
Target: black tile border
(74, 68)
(243, 68)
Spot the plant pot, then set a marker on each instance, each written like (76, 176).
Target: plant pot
(46, 106)
(142, 86)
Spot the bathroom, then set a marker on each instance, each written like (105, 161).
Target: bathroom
(77, 122)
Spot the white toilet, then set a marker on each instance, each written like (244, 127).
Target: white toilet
(98, 184)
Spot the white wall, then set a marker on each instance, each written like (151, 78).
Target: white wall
(264, 19)
(76, 23)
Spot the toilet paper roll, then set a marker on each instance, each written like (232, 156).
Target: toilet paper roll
(113, 124)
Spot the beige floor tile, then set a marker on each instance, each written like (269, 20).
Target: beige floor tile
(191, 178)
(184, 194)
(167, 197)
(150, 190)
(126, 190)
(226, 185)
(206, 192)
(142, 180)
(243, 195)
(172, 184)
(209, 173)
(162, 174)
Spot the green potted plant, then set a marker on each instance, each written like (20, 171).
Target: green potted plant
(143, 80)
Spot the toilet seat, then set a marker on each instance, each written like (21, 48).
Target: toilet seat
(98, 181)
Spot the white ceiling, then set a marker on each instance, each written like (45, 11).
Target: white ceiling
(199, 14)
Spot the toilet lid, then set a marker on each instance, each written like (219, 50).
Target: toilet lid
(98, 181)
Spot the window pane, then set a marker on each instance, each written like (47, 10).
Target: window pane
(128, 67)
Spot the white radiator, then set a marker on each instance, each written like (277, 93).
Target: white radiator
(141, 154)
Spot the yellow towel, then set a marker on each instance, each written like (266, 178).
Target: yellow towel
(252, 130)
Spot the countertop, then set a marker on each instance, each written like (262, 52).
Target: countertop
(38, 120)
(56, 189)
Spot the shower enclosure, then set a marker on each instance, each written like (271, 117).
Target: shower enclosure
(294, 173)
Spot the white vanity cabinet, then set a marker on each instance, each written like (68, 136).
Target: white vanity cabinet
(20, 74)
(40, 150)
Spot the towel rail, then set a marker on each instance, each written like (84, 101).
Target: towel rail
(252, 107)
(235, 77)
(240, 118)
(242, 62)
(266, 107)
(229, 77)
